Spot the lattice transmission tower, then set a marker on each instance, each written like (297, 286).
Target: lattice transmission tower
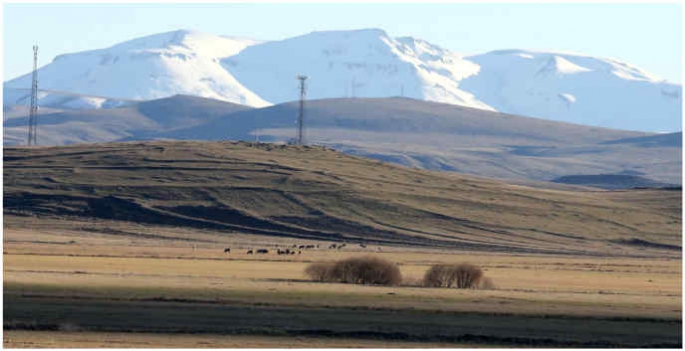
(300, 117)
(33, 109)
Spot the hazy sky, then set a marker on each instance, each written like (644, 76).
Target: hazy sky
(646, 35)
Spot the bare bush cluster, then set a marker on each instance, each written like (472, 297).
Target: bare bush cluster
(374, 270)
(356, 270)
(461, 276)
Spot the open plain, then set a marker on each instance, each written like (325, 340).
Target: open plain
(123, 245)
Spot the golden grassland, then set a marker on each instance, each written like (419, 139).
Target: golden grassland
(104, 268)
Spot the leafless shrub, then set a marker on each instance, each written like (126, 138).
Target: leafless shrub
(357, 270)
(318, 271)
(461, 276)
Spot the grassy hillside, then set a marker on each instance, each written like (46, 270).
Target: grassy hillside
(318, 193)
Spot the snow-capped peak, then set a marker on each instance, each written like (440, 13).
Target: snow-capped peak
(155, 66)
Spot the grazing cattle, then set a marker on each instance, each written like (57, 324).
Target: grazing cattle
(333, 246)
(295, 246)
(301, 247)
(362, 246)
(317, 246)
(309, 247)
(227, 250)
(292, 252)
(299, 252)
(249, 252)
(262, 251)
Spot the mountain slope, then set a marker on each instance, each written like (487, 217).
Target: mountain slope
(312, 192)
(157, 66)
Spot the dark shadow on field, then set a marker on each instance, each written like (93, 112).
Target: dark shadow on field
(185, 316)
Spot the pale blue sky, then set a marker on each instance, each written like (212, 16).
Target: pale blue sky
(646, 35)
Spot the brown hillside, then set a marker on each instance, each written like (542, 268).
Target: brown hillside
(312, 192)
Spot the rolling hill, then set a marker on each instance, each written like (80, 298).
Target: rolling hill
(134, 120)
(318, 193)
(406, 131)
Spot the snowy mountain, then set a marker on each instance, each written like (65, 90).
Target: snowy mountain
(575, 88)
(157, 66)
(365, 63)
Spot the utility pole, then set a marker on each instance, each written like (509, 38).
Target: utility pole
(300, 118)
(5, 109)
(33, 109)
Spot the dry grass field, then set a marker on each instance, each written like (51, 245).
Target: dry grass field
(150, 272)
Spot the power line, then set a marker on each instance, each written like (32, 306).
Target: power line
(33, 110)
(300, 117)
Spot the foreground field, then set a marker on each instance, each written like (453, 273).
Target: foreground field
(187, 288)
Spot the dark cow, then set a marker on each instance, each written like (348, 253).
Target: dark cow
(301, 247)
(227, 250)
(362, 246)
(333, 246)
(262, 251)
(249, 252)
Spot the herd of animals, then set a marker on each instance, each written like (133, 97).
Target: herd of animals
(293, 249)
